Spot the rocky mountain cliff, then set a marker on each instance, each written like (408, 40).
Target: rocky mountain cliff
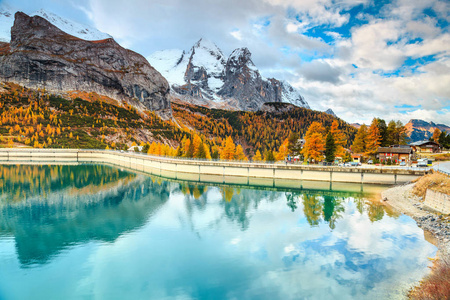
(41, 55)
(419, 130)
(203, 75)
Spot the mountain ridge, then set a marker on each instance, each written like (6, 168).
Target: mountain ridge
(205, 76)
(79, 30)
(41, 55)
(419, 130)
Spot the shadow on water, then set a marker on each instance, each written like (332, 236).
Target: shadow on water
(47, 208)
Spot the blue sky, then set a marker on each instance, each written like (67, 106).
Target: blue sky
(362, 58)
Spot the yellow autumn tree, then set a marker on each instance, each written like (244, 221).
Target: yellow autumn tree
(313, 147)
(314, 142)
(228, 150)
(197, 141)
(436, 135)
(152, 150)
(240, 155)
(315, 127)
(283, 151)
(257, 156)
(340, 140)
(373, 140)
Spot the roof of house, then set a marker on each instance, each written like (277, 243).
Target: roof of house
(422, 143)
(398, 150)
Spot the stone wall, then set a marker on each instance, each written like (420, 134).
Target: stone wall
(437, 201)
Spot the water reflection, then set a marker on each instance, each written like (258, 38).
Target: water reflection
(328, 208)
(128, 236)
(73, 204)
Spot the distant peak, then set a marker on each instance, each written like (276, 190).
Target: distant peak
(330, 112)
(206, 44)
(241, 52)
(241, 56)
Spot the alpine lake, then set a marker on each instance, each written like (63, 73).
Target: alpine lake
(102, 232)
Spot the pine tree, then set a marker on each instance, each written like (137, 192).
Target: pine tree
(293, 144)
(382, 128)
(201, 153)
(179, 152)
(401, 134)
(191, 148)
(330, 148)
(359, 144)
(268, 156)
(391, 132)
(373, 138)
(442, 138)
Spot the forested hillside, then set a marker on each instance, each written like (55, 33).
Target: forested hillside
(37, 119)
(33, 118)
(259, 130)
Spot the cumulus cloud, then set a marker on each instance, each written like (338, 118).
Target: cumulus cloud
(320, 71)
(376, 61)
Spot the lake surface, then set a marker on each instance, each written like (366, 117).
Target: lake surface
(99, 232)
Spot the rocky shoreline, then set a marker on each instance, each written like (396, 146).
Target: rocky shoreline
(402, 199)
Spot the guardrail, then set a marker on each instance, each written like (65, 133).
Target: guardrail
(223, 161)
(220, 170)
(443, 168)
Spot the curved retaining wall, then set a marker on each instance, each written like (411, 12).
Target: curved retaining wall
(212, 171)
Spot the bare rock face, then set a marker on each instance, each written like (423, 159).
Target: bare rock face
(42, 56)
(244, 82)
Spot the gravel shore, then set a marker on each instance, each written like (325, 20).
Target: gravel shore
(402, 199)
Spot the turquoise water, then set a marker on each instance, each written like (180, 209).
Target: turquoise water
(98, 232)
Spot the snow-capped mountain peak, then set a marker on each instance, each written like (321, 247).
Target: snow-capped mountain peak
(205, 76)
(81, 31)
(207, 65)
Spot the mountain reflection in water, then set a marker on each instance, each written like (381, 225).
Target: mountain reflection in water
(126, 235)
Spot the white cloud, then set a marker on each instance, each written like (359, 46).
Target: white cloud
(275, 31)
(237, 35)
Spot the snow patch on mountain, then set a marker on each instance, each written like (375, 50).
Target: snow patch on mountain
(204, 73)
(78, 30)
(205, 54)
(291, 95)
(171, 64)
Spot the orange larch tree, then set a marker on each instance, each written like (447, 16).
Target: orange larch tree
(373, 138)
(340, 140)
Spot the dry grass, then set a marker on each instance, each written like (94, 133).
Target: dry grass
(442, 157)
(435, 181)
(437, 284)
